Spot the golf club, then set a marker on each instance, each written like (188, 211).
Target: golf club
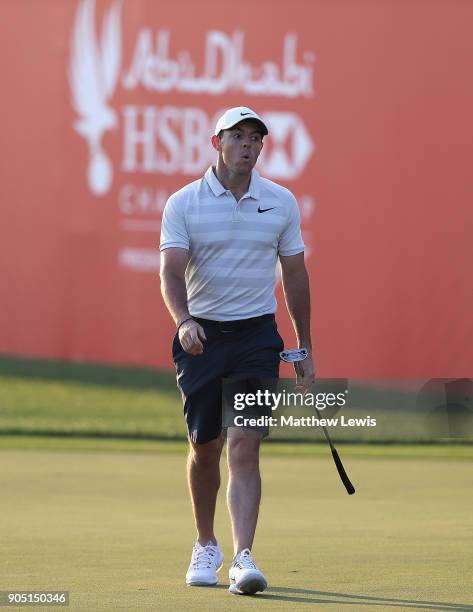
(295, 356)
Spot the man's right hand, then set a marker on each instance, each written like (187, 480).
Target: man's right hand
(191, 337)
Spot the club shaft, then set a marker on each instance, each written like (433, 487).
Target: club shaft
(338, 462)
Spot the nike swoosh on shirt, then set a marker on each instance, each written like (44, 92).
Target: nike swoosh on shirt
(260, 210)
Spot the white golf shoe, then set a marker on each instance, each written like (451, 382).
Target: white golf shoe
(245, 577)
(205, 563)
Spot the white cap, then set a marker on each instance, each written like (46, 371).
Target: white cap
(234, 115)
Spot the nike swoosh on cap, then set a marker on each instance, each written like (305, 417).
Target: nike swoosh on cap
(261, 210)
(243, 114)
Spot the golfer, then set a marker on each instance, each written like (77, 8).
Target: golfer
(221, 238)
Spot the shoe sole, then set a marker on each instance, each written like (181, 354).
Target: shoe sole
(201, 584)
(252, 583)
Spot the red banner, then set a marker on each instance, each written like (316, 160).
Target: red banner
(108, 108)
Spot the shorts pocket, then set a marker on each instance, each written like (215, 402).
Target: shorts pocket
(279, 338)
(176, 346)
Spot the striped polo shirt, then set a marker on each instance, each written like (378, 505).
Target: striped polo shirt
(233, 246)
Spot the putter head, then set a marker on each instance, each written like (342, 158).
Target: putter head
(294, 355)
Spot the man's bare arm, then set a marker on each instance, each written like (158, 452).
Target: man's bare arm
(296, 288)
(295, 282)
(173, 286)
(173, 289)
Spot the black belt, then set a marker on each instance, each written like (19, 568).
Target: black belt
(231, 326)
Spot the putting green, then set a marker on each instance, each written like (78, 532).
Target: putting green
(115, 529)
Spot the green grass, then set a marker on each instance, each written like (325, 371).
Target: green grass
(461, 452)
(126, 377)
(94, 501)
(56, 407)
(55, 399)
(115, 529)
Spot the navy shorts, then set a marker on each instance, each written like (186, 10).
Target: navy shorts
(233, 350)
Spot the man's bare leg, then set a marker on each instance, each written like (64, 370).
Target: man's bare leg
(203, 475)
(244, 489)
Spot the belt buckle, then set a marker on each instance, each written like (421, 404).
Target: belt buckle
(222, 327)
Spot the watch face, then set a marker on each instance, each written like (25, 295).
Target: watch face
(292, 355)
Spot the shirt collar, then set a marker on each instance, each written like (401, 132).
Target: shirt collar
(218, 189)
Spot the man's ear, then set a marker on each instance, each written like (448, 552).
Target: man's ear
(216, 143)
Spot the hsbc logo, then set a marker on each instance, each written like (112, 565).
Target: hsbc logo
(166, 139)
(170, 140)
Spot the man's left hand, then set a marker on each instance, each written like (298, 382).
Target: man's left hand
(305, 374)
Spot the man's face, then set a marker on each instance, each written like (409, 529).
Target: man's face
(240, 146)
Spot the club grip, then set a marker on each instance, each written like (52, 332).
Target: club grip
(343, 475)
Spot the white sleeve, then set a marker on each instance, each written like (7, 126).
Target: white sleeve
(290, 240)
(173, 226)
